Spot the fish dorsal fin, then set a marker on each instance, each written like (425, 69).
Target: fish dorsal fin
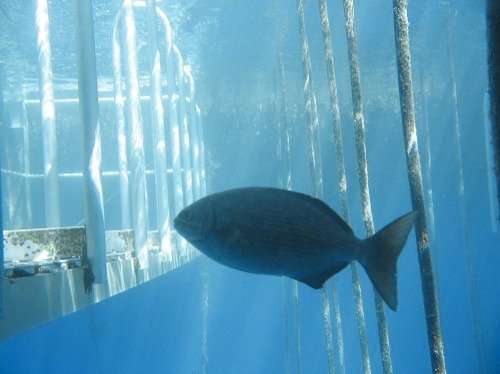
(317, 280)
(321, 205)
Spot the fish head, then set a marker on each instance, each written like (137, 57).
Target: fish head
(196, 221)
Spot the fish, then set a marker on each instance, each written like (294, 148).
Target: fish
(280, 232)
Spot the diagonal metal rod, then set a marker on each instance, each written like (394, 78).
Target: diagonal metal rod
(428, 160)
(187, 175)
(468, 246)
(173, 120)
(121, 130)
(435, 339)
(158, 124)
(342, 185)
(314, 161)
(138, 191)
(493, 25)
(193, 133)
(204, 314)
(89, 120)
(488, 160)
(311, 108)
(201, 144)
(1, 250)
(285, 181)
(359, 130)
(52, 213)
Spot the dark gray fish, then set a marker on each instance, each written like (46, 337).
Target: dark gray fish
(279, 232)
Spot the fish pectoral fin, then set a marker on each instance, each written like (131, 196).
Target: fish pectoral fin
(317, 279)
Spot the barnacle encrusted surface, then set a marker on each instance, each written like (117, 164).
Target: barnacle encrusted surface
(44, 244)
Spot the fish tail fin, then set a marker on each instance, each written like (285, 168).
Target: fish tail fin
(381, 255)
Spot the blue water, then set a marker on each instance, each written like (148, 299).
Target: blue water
(233, 49)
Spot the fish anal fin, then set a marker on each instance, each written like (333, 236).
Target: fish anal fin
(317, 279)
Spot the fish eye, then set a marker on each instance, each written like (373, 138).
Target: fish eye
(188, 216)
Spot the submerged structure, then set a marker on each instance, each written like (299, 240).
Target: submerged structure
(50, 270)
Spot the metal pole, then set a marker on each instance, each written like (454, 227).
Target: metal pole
(296, 322)
(314, 161)
(173, 98)
(48, 115)
(121, 127)
(193, 133)
(285, 181)
(158, 124)
(284, 174)
(493, 24)
(285, 292)
(13, 154)
(359, 131)
(1, 244)
(173, 123)
(27, 170)
(89, 119)
(339, 150)
(204, 315)
(285, 135)
(136, 143)
(16, 157)
(435, 339)
(184, 132)
(195, 156)
(203, 179)
(311, 108)
(488, 155)
(428, 161)
(469, 250)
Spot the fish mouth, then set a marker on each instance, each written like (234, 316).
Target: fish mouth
(189, 231)
(177, 223)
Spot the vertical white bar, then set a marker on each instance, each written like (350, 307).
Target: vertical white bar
(48, 115)
(89, 120)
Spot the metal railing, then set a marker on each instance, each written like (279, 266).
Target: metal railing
(413, 165)
(119, 259)
(434, 336)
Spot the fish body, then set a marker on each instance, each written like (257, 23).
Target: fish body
(279, 232)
